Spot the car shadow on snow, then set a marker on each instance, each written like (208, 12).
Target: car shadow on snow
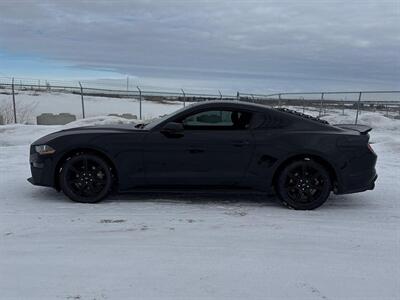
(198, 197)
(193, 197)
(335, 202)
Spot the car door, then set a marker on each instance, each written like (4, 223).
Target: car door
(213, 150)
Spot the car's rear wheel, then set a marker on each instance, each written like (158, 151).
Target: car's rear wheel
(303, 184)
(85, 178)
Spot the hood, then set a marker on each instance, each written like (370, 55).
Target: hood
(96, 129)
(112, 127)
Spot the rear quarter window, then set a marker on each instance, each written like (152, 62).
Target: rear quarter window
(274, 121)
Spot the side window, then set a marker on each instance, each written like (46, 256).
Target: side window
(218, 119)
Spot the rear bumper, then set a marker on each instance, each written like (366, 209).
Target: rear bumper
(359, 186)
(359, 175)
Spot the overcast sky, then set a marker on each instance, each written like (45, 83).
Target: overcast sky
(231, 45)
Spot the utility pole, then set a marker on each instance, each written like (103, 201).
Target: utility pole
(127, 83)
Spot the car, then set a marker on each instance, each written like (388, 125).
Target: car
(210, 145)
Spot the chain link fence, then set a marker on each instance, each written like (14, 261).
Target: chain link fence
(22, 100)
(355, 102)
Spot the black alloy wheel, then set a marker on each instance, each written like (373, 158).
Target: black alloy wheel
(85, 178)
(304, 185)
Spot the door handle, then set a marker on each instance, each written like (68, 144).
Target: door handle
(241, 143)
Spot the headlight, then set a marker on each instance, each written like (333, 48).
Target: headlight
(44, 149)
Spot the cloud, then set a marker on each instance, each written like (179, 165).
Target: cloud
(287, 44)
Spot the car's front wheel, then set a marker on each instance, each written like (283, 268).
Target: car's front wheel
(85, 178)
(303, 184)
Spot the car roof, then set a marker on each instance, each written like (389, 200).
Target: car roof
(236, 104)
(284, 112)
(230, 104)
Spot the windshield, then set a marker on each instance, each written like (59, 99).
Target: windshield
(153, 123)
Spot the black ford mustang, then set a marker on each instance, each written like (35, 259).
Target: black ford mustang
(232, 145)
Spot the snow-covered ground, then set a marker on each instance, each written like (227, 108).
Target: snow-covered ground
(198, 246)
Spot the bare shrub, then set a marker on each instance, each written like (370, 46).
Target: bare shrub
(25, 112)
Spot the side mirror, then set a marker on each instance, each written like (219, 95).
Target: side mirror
(172, 129)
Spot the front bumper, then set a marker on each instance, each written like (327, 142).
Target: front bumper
(41, 169)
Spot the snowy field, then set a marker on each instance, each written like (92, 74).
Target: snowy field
(44, 102)
(198, 246)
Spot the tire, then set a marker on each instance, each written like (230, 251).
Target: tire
(85, 178)
(303, 185)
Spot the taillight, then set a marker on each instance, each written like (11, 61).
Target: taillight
(370, 148)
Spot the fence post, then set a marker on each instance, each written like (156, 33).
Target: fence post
(184, 97)
(140, 102)
(13, 98)
(82, 101)
(220, 95)
(358, 106)
(321, 103)
(343, 108)
(304, 105)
